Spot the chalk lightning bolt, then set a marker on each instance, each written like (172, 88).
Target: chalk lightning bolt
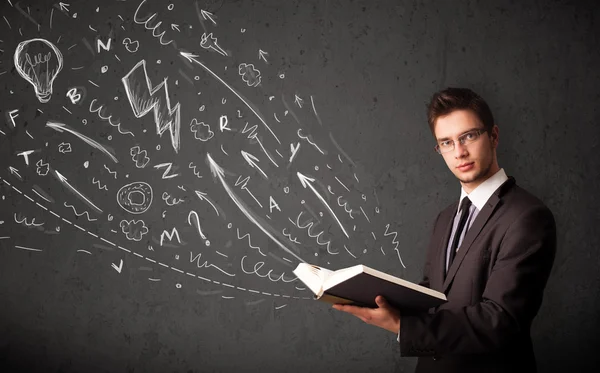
(144, 98)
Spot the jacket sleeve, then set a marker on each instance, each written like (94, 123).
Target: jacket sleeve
(511, 299)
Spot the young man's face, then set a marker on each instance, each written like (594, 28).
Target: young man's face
(471, 163)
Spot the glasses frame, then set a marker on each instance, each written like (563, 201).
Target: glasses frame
(462, 142)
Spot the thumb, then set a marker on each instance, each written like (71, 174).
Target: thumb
(381, 302)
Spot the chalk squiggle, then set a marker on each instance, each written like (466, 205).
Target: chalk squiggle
(310, 226)
(28, 224)
(394, 241)
(97, 182)
(249, 243)
(114, 173)
(108, 119)
(83, 213)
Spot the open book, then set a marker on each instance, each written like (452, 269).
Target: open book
(359, 285)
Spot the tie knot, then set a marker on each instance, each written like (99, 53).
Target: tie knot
(465, 204)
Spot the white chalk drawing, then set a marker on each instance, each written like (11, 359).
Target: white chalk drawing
(77, 193)
(97, 183)
(169, 235)
(258, 266)
(74, 95)
(273, 204)
(298, 101)
(114, 173)
(263, 55)
(223, 122)
(193, 214)
(289, 236)
(192, 58)
(249, 74)
(64, 147)
(294, 151)
(25, 155)
(38, 61)
(204, 197)
(307, 182)
(130, 252)
(128, 197)
(309, 225)
(145, 98)
(253, 162)
(210, 42)
(140, 157)
(147, 22)
(100, 112)
(193, 167)
(249, 242)
(15, 172)
(208, 15)
(394, 241)
(23, 220)
(101, 45)
(87, 214)
(201, 130)
(131, 46)
(206, 265)
(244, 183)
(170, 200)
(219, 173)
(119, 267)
(61, 127)
(167, 166)
(133, 230)
(309, 140)
(343, 203)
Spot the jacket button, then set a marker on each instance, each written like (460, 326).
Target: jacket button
(434, 358)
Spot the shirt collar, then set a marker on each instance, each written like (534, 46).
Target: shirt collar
(480, 195)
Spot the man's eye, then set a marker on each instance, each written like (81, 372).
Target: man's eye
(445, 143)
(470, 135)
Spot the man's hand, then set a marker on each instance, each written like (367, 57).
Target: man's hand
(385, 316)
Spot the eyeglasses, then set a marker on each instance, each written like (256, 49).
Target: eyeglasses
(464, 139)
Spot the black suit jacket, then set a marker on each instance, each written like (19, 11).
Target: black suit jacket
(494, 288)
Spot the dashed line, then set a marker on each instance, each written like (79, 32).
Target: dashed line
(77, 226)
(107, 241)
(149, 259)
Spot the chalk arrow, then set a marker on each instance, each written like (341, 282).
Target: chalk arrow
(64, 6)
(64, 181)
(251, 161)
(219, 173)
(174, 27)
(119, 267)
(307, 182)
(61, 127)
(208, 15)
(192, 58)
(262, 54)
(298, 101)
(15, 172)
(204, 197)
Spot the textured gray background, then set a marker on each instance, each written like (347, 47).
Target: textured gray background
(371, 66)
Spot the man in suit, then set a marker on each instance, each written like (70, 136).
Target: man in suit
(491, 257)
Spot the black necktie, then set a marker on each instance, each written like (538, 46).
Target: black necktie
(464, 213)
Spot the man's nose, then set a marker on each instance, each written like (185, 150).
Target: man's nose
(460, 150)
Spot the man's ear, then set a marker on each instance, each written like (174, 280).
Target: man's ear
(495, 135)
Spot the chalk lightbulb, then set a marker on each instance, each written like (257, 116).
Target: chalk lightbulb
(38, 61)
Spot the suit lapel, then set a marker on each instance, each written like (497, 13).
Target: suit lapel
(447, 221)
(480, 221)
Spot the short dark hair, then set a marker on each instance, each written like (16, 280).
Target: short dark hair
(450, 99)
